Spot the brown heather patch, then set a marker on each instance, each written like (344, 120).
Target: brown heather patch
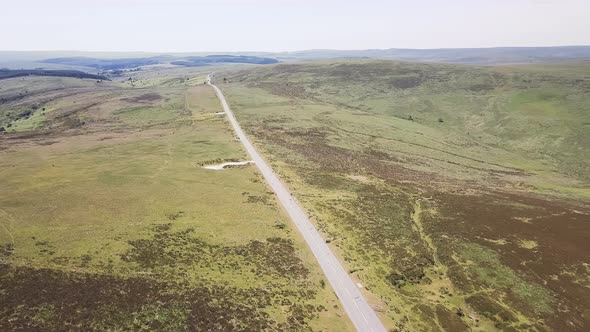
(43, 299)
(562, 236)
(144, 98)
(157, 295)
(170, 249)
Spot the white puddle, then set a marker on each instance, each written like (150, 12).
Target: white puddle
(219, 167)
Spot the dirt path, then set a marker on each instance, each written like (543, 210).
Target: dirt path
(360, 313)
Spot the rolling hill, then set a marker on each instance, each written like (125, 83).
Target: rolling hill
(456, 194)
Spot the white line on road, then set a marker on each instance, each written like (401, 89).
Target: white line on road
(360, 313)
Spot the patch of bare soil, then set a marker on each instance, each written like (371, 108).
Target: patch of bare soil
(229, 164)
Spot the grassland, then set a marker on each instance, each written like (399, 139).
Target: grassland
(109, 222)
(457, 195)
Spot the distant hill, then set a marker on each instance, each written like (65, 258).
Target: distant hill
(196, 61)
(8, 73)
(123, 60)
(189, 61)
(498, 55)
(104, 64)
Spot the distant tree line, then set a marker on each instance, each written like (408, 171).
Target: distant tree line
(10, 73)
(190, 61)
(105, 64)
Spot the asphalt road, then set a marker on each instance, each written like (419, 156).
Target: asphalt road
(360, 313)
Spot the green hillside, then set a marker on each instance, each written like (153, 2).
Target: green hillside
(458, 195)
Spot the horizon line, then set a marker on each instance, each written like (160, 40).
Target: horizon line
(301, 50)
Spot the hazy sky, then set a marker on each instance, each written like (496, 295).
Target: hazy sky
(284, 25)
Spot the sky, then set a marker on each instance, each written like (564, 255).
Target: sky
(288, 25)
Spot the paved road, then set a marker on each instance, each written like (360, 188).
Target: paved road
(361, 314)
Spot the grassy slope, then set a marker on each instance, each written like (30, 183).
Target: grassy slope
(106, 211)
(455, 218)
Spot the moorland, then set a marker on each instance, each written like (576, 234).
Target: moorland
(458, 195)
(108, 220)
